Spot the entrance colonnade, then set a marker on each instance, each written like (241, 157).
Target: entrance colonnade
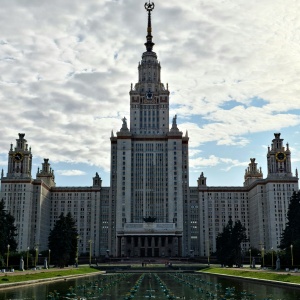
(149, 246)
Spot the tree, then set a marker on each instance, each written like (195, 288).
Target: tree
(229, 243)
(63, 241)
(8, 232)
(291, 233)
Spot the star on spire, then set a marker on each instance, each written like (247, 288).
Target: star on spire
(149, 44)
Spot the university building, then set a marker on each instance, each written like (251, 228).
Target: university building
(149, 209)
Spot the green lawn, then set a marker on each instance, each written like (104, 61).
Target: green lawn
(19, 276)
(24, 276)
(260, 274)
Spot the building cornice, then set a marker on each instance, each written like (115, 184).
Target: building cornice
(247, 188)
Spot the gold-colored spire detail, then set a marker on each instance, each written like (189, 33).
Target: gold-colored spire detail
(149, 44)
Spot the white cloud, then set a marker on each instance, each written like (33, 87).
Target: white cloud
(194, 152)
(3, 162)
(235, 164)
(62, 86)
(70, 172)
(213, 160)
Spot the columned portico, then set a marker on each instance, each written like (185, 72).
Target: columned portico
(149, 240)
(149, 246)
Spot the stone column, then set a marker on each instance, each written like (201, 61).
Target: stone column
(129, 250)
(152, 245)
(139, 246)
(159, 247)
(146, 246)
(168, 247)
(179, 246)
(175, 245)
(117, 246)
(123, 246)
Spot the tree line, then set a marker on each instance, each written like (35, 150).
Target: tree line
(62, 241)
(228, 243)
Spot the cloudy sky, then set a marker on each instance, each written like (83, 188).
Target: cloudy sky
(232, 67)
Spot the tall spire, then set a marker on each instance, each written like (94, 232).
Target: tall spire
(149, 44)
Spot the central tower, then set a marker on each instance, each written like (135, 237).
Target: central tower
(149, 100)
(149, 163)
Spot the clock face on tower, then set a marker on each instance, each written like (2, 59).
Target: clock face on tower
(280, 156)
(18, 156)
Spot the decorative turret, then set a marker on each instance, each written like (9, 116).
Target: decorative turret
(201, 181)
(124, 125)
(186, 134)
(97, 182)
(279, 158)
(46, 173)
(20, 159)
(252, 173)
(174, 131)
(124, 131)
(174, 127)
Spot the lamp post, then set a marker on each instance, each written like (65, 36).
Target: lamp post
(49, 251)
(292, 255)
(250, 256)
(7, 257)
(36, 256)
(27, 258)
(77, 249)
(90, 241)
(208, 250)
(272, 257)
(262, 251)
(107, 254)
(242, 256)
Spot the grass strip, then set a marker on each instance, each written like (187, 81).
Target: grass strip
(264, 275)
(23, 276)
